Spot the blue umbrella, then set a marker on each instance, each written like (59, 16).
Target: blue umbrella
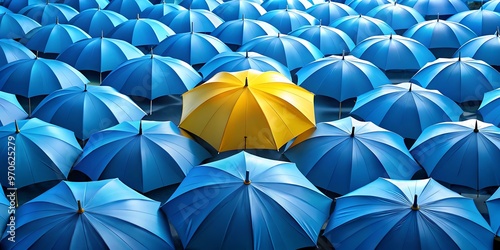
(53, 38)
(291, 51)
(47, 13)
(247, 202)
(287, 20)
(433, 8)
(460, 153)
(128, 8)
(87, 110)
(460, 79)
(193, 48)
(43, 152)
(402, 214)
(360, 27)
(329, 40)
(144, 155)
(235, 33)
(82, 5)
(90, 215)
(493, 5)
(399, 17)
(4, 9)
(11, 51)
(16, 5)
(490, 106)
(394, 52)
(365, 6)
(157, 11)
(10, 109)
(483, 48)
(329, 11)
(347, 154)
(189, 20)
(405, 108)
(7, 206)
(233, 10)
(482, 22)
(493, 204)
(15, 26)
(200, 4)
(97, 22)
(270, 5)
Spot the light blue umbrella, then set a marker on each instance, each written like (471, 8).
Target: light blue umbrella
(482, 22)
(10, 109)
(291, 51)
(233, 10)
(157, 11)
(393, 52)
(490, 106)
(402, 214)
(270, 5)
(360, 27)
(399, 17)
(90, 215)
(145, 155)
(493, 204)
(430, 9)
(483, 48)
(82, 5)
(4, 9)
(128, 8)
(86, 110)
(200, 4)
(189, 20)
(405, 108)
(47, 13)
(97, 22)
(330, 10)
(15, 26)
(329, 40)
(287, 20)
(247, 202)
(365, 6)
(344, 155)
(493, 5)
(43, 152)
(235, 33)
(53, 38)
(11, 51)
(460, 153)
(460, 79)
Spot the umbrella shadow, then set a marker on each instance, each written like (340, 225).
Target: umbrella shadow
(165, 108)
(30, 192)
(328, 109)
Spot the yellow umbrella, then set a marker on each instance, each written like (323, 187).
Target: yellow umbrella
(247, 110)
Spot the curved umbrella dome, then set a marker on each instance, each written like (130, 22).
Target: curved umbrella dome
(53, 38)
(97, 22)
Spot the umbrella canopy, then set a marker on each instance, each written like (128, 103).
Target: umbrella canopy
(4, 9)
(16, 5)
(237, 32)
(85, 110)
(329, 11)
(341, 77)
(329, 40)
(200, 4)
(90, 215)
(145, 155)
(128, 8)
(490, 106)
(365, 6)
(6, 206)
(405, 108)
(402, 214)
(360, 27)
(10, 109)
(141, 32)
(15, 26)
(233, 10)
(47, 13)
(82, 5)
(11, 51)
(399, 17)
(43, 152)
(291, 51)
(270, 5)
(433, 8)
(287, 20)
(270, 205)
(394, 52)
(238, 61)
(157, 11)
(493, 5)
(346, 154)
(247, 109)
(482, 48)
(461, 79)
(97, 22)
(493, 204)
(482, 22)
(191, 20)
(460, 153)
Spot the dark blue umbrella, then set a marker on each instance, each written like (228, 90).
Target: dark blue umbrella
(157, 11)
(329, 40)
(15, 26)
(365, 6)
(490, 106)
(43, 152)
(270, 5)
(405, 108)
(430, 9)
(145, 155)
(10, 109)
(287, 20)
(97, 22)
(483, 48)
(82, 5)
(247, 202)
(235, 33)
(346, 154)
(233, 10)
(189, 20)
(128, 8)
(482, 22)
(11, 51)
(360, 27)
(329, 11)
(90, 215)
(85, 110)
(399, 17)
(47, 13)
(200, 4)
(141, 32)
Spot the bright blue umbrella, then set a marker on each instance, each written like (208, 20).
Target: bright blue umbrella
(189, 20)
(490, 106)
(460, 79)
(4, 9)
(128, 8)
(365, 6)
(90, 215)
(329, 40)
(405, 108)
(16, 5)
(493, 5)
(483, 48)
(430, 9)
(145, 155)
(360, 27)
(402, 214)
(85, 110)
(460, 153)
(47, 13)
(493, 204)
(291, 51)
(270, 205)
(399, 17)
(10, 109)
(15, 26)
(238, 61)
(7, 206)
(11, 51)
(233, 10)
(393, 52)
(43, 152)
(287, 20)
(270, 5)
(346, 154)
(482, 22)
(97, 22)
(82, 5)
(53, 38)
(235, 33)
(157, 11)
(200, 4)
(329, 11)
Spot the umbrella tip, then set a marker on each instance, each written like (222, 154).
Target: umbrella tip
(151, 52)
(459, 56)
(352, 131)
(390, 36)
(102, 34)
(246, 54)
(415, 206)
(57, 20)
(192, 27)
(498, 31)
(242, 17)
(320, 22)
(411, 84)
(140, 127)
(286, 7)
(246, 85)
(278, 34)
(476, 129)
(85, 88)
(138, 16)
(80, 209)
(17, 127)
(247, 178)
(343, 54)
(437, 20)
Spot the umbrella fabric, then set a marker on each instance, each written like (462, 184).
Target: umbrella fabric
(328, 11)
(341, 77)
(11, 51)
(191, 20)
(402, 214)
(393, 52)
(43, 152)
(53, 38)
(82, 5)
(47, 13)
(4, 9)
(493, 204)
(432, 8)
(238, 32)
(128, 8)
(97, 22)
(482, 22)
(10, 109)
(110, 215)
(233, 10)
(346, 154)
(141, 32)
(460, 153)
(365, 6)
(270, 5)
(482, 48)
(287, 20)
(291, 51)
(405, 108)
(6, 209)
(399, 17)
(16, 5)
(358, 28)
(157, 11)
(85, 110)
(460, 79)
(15, 26)
(329, 40)
(490, 106)
(247, 109)
(247, 202)
(145, 155)
(200, 4)
(238, 61)
(493, 5)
